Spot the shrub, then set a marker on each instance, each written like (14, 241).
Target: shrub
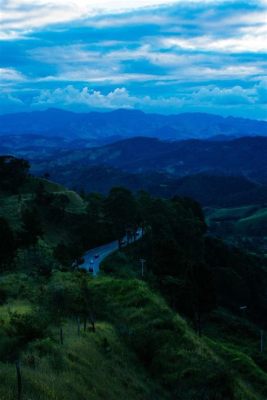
(28, 327)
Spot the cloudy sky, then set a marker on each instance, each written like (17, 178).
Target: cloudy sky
(156, 55)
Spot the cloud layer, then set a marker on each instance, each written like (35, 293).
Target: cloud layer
(157, 55)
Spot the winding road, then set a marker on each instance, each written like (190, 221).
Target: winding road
(94, 257)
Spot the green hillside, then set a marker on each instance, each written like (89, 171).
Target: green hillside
(245, 226)
(254, 225)
(174, 333)
(141, 350)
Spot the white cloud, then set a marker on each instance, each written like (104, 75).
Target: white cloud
(34, 14)
(10, 75)
(75, 63)
(64, 54)
(225, 96)
(118, 21)
(261, 89)
(10, 101)
(181, 73)
(90, 75)
(253, 40)
(91, 98)
(118, 98)
(21, 15)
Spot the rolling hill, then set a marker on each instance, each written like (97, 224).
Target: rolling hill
(216, 173)
(243, 157)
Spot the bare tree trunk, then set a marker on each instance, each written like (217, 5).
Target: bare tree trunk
(92, 320)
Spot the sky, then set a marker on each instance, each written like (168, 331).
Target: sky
(166, 56)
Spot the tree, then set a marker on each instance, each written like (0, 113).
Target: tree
(42, 196)
(13, 173)
(69, 254)
(121, 210)
(57, 206)
(31, 227)
(46, 175)
(8, 243)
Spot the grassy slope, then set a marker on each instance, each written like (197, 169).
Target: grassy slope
(91, 365)
(218, 214)
(83, 368)
(247, 221)
(141, 350)
(190, 367)
(254, 225)
(11, 207)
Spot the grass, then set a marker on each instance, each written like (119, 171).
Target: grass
(254, 225)
(230, 214)
(247, 221)
(141, 349)
(191, 368)
(93, 366)
(15, 306)
(245, 226)
(237, 341)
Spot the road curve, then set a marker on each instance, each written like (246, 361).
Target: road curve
(94, 257)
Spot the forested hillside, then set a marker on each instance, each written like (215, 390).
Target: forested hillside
(187, 326)
(239, 157)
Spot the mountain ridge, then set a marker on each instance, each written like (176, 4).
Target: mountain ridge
(128, 123)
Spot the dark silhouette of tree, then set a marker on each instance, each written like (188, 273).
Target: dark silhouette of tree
(47, 175)
(31, 227)
(121, 210)
(69, 255)
(13, 173)
(8, 244)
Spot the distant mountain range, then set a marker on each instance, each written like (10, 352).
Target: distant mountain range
(119, 124)
(240, 157)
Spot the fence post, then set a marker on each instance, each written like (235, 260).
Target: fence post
(261, 343)
(61, 335)
(19, 384)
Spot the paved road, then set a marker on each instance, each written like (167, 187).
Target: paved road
(94, 257)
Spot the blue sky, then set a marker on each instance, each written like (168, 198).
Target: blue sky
(156, 55)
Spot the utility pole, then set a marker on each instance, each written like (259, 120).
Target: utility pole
(142, 261)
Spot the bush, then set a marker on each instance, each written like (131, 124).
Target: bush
(28, 327)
